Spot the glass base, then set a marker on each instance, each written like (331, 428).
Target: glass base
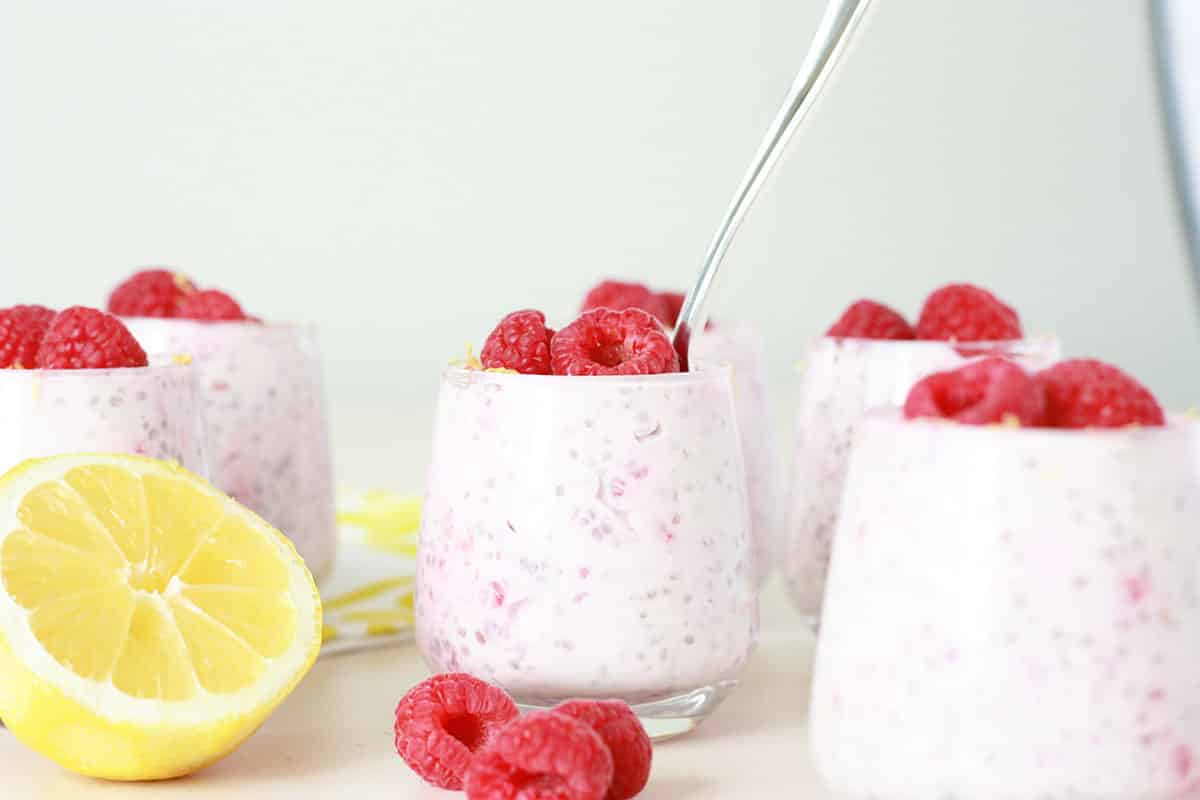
(663, 719)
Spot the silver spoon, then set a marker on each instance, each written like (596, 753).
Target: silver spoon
(841, 16)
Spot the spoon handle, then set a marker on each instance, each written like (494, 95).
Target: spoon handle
(841, 16)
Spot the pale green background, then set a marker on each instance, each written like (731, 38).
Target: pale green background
(404, 171)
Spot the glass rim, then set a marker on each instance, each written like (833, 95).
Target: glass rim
(158, 364)
(1188, 422)
(227, 324)
(708, 373)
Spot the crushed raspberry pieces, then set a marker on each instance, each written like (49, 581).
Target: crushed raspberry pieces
(21, 331)
(86, 338)
(211, 305)
(150, 293)
(866, 319)
(520, 342)
(542, 756)
(625, 737)
(619, 295)
(993, 390)
(608, 342)
(1085, 393)
(442, 724)
(961, 312)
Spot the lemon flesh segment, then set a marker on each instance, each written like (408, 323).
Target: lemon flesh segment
(148, 623)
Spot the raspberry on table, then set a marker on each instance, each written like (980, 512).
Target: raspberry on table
(867, 319)
(627, 740)
(443, 722)
(607, 342)
(150, 293)
(543, 755)
(521, 342)
(211, 305)
(87, 338)
(993, 390)
(619, 295)
(1085, 393)
(961, 312)
(21, 331)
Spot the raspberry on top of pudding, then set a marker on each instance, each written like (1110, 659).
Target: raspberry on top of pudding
(602, 341)
(957, 312)
(1079, 393)
(169, 294)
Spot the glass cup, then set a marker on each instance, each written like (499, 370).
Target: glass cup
(153, 411)
(267, 428)
(589, 537)
(739, 346)
(841, 379)
(1013, 613)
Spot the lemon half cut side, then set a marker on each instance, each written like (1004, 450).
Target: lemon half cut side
(149, 624)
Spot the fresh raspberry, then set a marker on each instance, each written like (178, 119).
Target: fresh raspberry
(542, 756)
(866, 319)
(444, 721)
(627, 740)
(607, 342)
(211, 305)
(522, 342)
(21, 332)
(150, 293)
(619, 295)
(87, 338)
(961, 312)
(673, 303)
(982, 392)
(1085, 393)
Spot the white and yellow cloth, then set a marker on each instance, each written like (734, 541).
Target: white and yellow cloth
(368, 599)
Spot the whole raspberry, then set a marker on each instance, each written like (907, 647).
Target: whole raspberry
(444, 721)
(521, 341)
(619, 295)
(87, 338)
(673, 303)
(542, 756)
(1085, 393)
(150, 293)
(961, 312)
(607, 342)
(627, 740)
(21, 332)
(211, 305)
(980, 393)
(866, 319)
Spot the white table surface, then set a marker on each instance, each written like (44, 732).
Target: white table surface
(333, 738)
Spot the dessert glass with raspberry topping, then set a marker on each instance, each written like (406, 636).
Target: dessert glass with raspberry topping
(739, 346)
(870, 358)
(263, 397)
(267, 430)
(1030, 592)
(78, 382)
(586, 535)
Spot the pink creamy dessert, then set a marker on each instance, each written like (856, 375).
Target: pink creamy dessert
(153, 411)
(267, 430)
(841, 379)
(1013, 614)
(589, 537)
(739, 346)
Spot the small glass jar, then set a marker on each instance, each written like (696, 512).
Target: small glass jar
(841, 379)
(267, 427)
(1013, 613)
(153, 411)
(739, 345)
(589, 537)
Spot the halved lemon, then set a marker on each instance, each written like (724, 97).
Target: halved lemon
(148, 623)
